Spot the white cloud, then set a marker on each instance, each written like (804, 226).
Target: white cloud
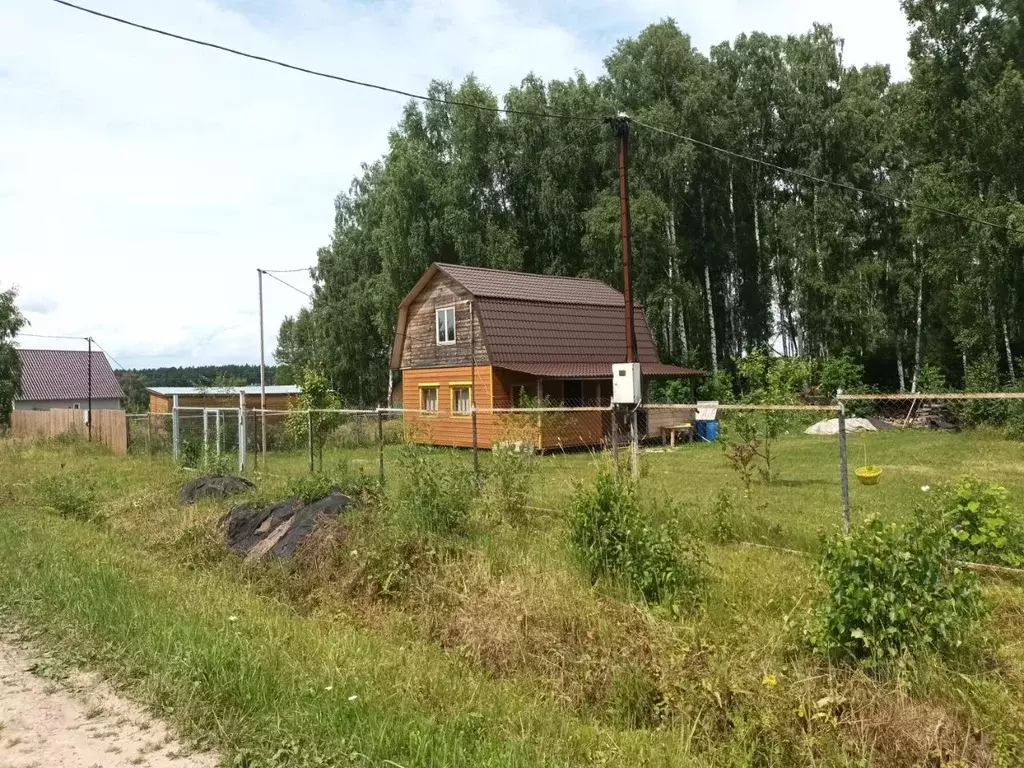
(143, 180)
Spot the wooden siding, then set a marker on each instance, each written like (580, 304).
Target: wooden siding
(420, 348)
(444, 428)
(108, 426)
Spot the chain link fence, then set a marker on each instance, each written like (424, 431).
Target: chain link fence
(796, 469)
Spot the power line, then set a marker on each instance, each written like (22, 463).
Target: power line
(819, 180)
(116, 361)
(297, 290)
(286, 271)
(51, 336)
(318, 73)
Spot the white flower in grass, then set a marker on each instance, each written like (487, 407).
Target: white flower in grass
(926, 488)
(329, 688)
(353, 697)
(232, 618)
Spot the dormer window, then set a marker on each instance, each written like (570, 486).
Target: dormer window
(445, 325)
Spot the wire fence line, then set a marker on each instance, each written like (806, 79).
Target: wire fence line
(298, 440)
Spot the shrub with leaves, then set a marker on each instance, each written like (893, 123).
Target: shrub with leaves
(614, 540)
(436, 492)
(70, 497)
(508, 481)
(893, 594)
(983, 527)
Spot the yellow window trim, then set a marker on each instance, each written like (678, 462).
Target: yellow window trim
(460, 383)
(423, 412)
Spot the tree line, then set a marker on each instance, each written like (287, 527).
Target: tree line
(730, 256)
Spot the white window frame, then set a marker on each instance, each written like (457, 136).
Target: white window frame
(438, 314)
(457, 387)
(424, 389)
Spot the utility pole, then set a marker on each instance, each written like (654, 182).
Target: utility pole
(263, 379)
(620, 127)
(88, 413)
(472, 395)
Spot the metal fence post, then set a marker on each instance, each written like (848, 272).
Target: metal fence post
(175, 430)
(615, 440)
(242, 439)
(149, 434)
(844, 471)
(380, 445)
(476, 448)
(309, 438)
(634, 443)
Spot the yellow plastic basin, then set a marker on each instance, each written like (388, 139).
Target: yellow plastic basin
(868, 475)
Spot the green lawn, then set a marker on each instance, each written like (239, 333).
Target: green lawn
(497, 650)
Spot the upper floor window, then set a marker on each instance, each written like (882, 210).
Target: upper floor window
(445, 325)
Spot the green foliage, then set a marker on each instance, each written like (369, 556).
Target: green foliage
(308, 419)
(613, 539)
(310, 488)
(931, 380)
(984, 528)
(723, 523)
(893, 594)
(71, 497)
(437, 492)
(11, 323)
(982, 376)
(841, 373)
(509, 478)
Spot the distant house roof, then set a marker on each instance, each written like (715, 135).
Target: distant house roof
(547, 325)
(63, 374)
(272, 389)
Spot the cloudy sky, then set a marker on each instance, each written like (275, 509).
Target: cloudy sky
(143, 180)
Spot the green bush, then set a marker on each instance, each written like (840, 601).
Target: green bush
(984, 529)
(893, 594)
(310, 488)
(436, 491)
(614, 540)
(508, 482)
(70, 497)
(982, 376)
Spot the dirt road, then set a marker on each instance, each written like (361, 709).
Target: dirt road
(49, 718)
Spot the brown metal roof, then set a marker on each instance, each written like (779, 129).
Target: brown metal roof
(595, 370)
(62, 374)
(547, 325)
(538, 332)
(523, 286)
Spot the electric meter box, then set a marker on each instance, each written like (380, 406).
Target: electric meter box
(626, 383)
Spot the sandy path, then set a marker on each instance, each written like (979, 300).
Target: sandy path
(77, 721)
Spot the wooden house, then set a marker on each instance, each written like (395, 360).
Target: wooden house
(500, 339)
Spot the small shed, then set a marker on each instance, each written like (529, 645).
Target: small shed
(280, 397)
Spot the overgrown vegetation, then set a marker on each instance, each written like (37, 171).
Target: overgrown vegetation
(614, 539)
(509, 480)
(893, 593)
(495, 648)
(70, 497)
(437, 493)
(983, 527)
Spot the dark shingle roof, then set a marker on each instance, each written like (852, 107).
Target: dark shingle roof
(523, 286)
(62, 374)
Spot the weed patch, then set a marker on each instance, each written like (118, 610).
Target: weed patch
(70, 497)
(613, 538)
(894, 595)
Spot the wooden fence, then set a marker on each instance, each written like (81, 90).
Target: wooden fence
(108, 427)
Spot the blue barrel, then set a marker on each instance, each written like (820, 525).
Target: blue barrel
(707, 431)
